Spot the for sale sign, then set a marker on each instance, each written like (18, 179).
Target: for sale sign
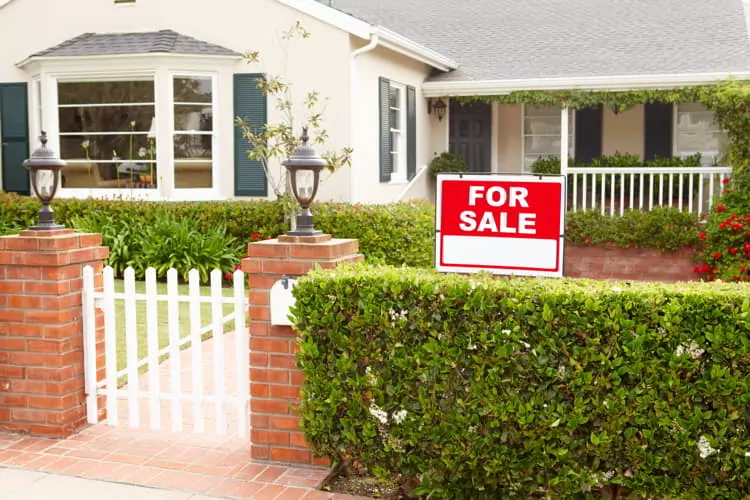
(503, 224)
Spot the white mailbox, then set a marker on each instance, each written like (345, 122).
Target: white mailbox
(281, 301)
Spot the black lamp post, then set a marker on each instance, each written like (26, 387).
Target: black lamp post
(44, 167)
(304, 168)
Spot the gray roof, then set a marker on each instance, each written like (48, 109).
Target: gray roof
(164, 41)
(516, 39)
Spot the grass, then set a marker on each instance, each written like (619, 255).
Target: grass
(162, 321)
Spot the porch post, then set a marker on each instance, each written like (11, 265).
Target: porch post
(564, 146)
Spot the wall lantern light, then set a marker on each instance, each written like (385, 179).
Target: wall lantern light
(438, 107)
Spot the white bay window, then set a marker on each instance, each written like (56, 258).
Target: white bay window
(148, 136)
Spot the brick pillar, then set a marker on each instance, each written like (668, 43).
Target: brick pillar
(41, 330)
(275, 381)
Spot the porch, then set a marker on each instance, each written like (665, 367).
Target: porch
(654, 154)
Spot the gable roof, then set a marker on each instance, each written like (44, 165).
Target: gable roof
(495, 40)
(155, 42)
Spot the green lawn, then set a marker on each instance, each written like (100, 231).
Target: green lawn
(162, 322)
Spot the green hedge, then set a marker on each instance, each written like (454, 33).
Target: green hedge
(523, 388)
(396, 234)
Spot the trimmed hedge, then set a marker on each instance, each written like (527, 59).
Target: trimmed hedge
(396, 234)
(528, 388)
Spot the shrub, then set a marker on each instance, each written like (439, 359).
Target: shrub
(397, 234)
(528, 388)
(447, 163)
(725, 240)
(663, 228)
(163, 243)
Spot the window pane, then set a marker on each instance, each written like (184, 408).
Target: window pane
(395, 141)
(110, 175)
(549, 125)
(106, 119)
(703, 142)
(192, 147)
(696, 121)
(193, 118)
(105, 92)
(395, 121)
(395, 97)
(542, 145)
(108, 147)
(192, 90)
(192, 175)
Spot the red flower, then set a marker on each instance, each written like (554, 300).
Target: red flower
(742, 270)
(737, 227)
(722, 226)
(736, 278)
(716, 255)
(255, 236)
(227, 276)
(747, 246)
(725, 180)
(720, 208)
(733, 251)
(702, 236)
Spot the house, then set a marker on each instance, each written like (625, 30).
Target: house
(140, 96)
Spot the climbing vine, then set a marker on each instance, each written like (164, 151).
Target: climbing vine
(725, 242)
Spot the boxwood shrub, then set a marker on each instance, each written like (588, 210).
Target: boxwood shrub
(528, 388)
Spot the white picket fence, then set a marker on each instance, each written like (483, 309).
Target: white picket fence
(614, 190)
(153, 392)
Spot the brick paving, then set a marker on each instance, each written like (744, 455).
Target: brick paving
(182, 461)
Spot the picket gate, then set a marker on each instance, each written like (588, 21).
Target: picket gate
(207, 387)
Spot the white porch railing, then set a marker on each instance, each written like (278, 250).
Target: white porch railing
(614, 190)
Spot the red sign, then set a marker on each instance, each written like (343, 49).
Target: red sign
(504, 224)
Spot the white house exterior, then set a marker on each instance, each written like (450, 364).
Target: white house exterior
(178, 67)
(140, 96)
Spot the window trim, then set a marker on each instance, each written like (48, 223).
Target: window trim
(399, 168)
(571, 142)
(676, 132)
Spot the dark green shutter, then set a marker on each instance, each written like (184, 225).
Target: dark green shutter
(588, 134)
(250, 104)
(386, 160)
(411, 132)
(15, 137)
(658, 130)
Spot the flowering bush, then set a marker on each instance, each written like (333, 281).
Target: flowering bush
(726, 238)
(528, 388)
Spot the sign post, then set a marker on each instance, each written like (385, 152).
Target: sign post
(502, 224)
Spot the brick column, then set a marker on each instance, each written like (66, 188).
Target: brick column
(275, 381)
(41, 330)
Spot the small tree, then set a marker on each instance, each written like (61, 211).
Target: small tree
(274, 142)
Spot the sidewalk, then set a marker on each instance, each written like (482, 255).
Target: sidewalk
(17, 484)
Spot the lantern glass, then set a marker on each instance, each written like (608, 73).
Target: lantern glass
(45, 184)
(305, 186)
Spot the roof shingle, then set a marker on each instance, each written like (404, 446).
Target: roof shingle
(512, 39)
(164, 41)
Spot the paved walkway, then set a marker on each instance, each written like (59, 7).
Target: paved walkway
(16, 484)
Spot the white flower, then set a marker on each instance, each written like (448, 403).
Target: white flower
(142, 152)
(85, 144)
(379, 414)
(704, 447)
(399, 416)
(506, 332)
(616, 289)
(562, 371)
(370, 377)
(472, 346)
(692, 349)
